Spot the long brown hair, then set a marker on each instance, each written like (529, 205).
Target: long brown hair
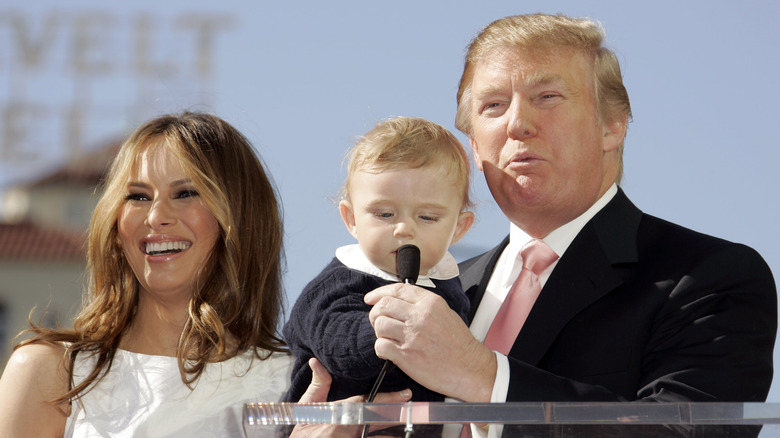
(238, 298)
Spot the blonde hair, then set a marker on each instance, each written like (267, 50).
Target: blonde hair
(238, 298)
(540, 32)
(410, 142)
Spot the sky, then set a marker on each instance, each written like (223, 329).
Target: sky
(302, 80)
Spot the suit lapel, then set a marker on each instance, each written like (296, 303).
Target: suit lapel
(584, 274)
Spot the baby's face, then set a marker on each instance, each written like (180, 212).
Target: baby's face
(395, 207)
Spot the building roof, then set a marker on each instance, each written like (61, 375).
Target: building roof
(28, 242)
(87, 169)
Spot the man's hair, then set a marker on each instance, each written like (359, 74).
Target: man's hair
(410, 142)
(537, 33)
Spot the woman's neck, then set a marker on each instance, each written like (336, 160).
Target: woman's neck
(156, 328)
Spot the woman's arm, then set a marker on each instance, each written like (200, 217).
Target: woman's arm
(318, 392)
(35, 375)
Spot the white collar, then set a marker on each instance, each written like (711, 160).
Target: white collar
(354, 258)
(558, 239)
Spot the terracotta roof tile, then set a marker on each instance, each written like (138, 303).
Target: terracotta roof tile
(28, 242)
(88, 169)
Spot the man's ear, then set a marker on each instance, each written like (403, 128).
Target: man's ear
(614, 134)
(348, 217)
(465, 221)
(475, 150)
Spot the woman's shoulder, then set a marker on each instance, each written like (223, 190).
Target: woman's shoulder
(40, 358)
(35, 375)
(41, 365)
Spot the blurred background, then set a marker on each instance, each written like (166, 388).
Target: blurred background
(303, 79)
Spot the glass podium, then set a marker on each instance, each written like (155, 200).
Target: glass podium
(548, 419)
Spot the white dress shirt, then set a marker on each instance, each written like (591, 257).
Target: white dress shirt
(504, 275)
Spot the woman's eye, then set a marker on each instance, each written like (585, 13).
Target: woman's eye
(136, 197)
(187, 194)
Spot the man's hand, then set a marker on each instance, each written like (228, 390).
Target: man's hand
(420, 334)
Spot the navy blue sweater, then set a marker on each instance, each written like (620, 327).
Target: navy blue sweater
(329, 321)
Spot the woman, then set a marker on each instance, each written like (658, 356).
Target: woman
(178, 326)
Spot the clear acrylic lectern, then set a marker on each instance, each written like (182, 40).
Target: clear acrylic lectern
(530, 420)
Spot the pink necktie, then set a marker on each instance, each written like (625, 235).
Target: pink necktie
(537, 256)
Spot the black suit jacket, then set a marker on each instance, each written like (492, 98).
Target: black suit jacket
(638, 308)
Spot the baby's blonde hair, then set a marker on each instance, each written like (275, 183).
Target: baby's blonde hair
(413, 143)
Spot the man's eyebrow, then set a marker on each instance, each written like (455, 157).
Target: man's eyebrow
(489, 90)
(543, 78)
(535, 79)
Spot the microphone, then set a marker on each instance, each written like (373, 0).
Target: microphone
(407, 264)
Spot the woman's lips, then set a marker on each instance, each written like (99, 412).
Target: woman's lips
(169, 247)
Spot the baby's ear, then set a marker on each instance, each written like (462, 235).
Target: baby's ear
(348, 216)
(465, 221)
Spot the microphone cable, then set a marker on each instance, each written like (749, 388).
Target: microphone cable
(407, 264)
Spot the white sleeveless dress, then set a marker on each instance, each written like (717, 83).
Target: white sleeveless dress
(144, 396)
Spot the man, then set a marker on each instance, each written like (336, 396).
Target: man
(633, 307)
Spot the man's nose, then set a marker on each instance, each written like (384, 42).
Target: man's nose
(521, 121)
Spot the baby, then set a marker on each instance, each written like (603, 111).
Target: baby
(407, 183)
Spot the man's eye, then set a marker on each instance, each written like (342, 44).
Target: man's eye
(548, 97)
(494, 109)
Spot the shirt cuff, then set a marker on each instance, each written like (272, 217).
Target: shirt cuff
(501, 384)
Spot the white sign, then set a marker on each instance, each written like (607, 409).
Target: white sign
(72, 81)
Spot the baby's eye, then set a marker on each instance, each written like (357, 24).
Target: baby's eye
(427, 218)
(136, 197)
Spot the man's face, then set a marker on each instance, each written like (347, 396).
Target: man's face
(537, 137)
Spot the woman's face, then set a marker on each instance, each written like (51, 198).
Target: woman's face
(166, 230)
